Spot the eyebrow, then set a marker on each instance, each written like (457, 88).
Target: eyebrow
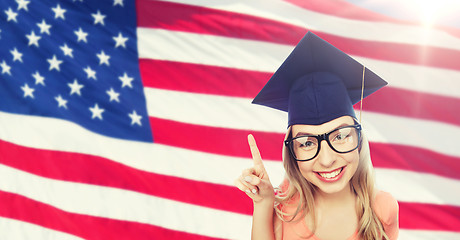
(311, 134)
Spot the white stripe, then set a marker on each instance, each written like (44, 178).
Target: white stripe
(63, 136)
(18, 230)
(365, 30)
(210, 50)
(405, 234)
(239, 113)
(267, 57)
(124, 205)
(409, 186)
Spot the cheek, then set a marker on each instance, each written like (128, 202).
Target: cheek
(306, 168)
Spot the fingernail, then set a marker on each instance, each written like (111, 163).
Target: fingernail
(254, 191)
(247, 191)
(248, 179)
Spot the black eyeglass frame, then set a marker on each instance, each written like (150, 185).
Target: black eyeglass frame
(320, 138)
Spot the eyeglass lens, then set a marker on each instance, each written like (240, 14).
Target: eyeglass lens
(341, 140)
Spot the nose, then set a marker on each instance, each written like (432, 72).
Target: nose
(326, 156)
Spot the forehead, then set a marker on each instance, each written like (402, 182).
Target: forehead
(323, 128)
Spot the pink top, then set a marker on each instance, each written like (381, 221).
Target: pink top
(385, 206)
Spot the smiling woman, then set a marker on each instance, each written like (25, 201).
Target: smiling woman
(329, 190)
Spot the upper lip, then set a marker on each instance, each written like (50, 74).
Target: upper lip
(331, 170)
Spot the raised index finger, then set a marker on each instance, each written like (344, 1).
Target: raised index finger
(255, 151)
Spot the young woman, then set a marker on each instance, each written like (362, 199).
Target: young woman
(328, 192)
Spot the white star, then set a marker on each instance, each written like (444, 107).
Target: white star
(16, 55)
(90, 73)
(67, 51)
(54, 63)
(22, 4)
(5, 68)
(120, 40)
(118, 2)
(58, 12)
(81, 35)
(11, 15)
(135, 119)
(28, 92)
(33, 39)
(75, 87)
(113, 95)
(96, 111)
(103, 58)
(126, 81)
(98, 18)
(44, 27)
(39, 79)
(61, 101)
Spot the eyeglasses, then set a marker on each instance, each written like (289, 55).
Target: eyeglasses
(342, 140)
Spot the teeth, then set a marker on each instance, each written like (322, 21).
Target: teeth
(332, 174)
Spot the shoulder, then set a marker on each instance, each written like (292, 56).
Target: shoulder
(386, 208)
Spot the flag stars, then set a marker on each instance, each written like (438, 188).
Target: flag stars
(98, 18)
(54, 63)
(28, 92)
(120, 40)
(135, 119)
(118, 2)
(103, 58)
(126, 81)
(11, 15)
(81, 35)
(59, 12)
(75, 87)
(22, 4)
(44, 27)
(61, 101)
(96, 112)
(33, 39)
(5, 68)
(66, 50)
(90, 73)
(113, 95)
(39, 79)
(17, 56)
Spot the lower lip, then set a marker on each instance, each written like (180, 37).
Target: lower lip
(334, 179)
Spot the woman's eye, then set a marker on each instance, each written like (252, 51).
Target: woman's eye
(307, 144)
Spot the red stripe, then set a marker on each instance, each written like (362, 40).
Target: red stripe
(96, 170)
(419, 216)
(180, 17)
(242, 83)
(233, 142)
(88, 227)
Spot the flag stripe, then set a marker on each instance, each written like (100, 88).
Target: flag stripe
(235, 113)
(395, 52)
(420, 216)
(84, 168)
(18, 230)
(244, 83)
(233, 142)
(277, 10)
(425, 234)
(131, 207)
(89, 227)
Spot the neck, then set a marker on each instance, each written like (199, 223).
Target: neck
(334, 198)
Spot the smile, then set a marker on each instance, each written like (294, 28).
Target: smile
(332, 176)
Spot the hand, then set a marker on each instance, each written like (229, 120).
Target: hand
(254, 181)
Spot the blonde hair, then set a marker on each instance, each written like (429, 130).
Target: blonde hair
(362, 184)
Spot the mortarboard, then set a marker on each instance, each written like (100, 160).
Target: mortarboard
(317, 83)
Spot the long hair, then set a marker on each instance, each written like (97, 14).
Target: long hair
(362, 184)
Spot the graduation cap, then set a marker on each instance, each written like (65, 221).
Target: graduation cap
(318, 83)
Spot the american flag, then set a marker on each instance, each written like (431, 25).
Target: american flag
(128, 119)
